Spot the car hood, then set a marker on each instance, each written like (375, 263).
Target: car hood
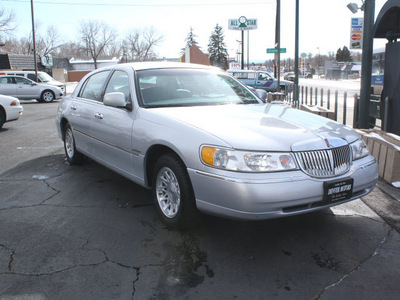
(264, 127)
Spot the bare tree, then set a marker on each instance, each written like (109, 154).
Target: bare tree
(48, 44)
(140, 43)
(71, 49)
(7, 20)
(151, 38)
(95, 37)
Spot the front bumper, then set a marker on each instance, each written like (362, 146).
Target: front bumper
(13, 112)
(264, 196)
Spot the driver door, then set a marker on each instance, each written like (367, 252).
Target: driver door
(266, 82)
(27, 89)
(111, 127)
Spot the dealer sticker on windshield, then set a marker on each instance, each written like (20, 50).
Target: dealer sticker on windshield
(338, 190)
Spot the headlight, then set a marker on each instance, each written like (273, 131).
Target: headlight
(14, 103)
(359, 149)
(246, 161)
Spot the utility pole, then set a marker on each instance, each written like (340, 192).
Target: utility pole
(366, 69)
(242, 63)
(278, 43)
(34, 41)
(296, 57)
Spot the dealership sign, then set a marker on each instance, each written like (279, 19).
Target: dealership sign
(356, 33)
(242, 24)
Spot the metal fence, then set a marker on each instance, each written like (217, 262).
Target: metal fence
(340, 104)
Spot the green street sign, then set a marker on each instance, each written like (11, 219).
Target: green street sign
(275, 50)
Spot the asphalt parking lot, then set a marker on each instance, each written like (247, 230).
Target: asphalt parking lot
(88, 233)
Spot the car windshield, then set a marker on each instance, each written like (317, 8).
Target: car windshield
(191, 87)
(44, 77)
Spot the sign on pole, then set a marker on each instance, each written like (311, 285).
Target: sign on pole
(275, 50)
(356, 33)
(242, 24)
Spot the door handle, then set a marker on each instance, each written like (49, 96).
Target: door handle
(73, 107)
(99, 116)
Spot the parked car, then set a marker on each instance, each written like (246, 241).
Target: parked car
(10, 109)
(289, 76)
(201, 140)
(26, 89)
(42, 77)
(261, 80)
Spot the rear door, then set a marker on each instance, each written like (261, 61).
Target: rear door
(8, 86)
(82, 108)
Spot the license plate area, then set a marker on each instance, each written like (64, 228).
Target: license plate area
(338, 190)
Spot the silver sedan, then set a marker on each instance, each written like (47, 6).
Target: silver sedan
(202, 141)
(26, 89)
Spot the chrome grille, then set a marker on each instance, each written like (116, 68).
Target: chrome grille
(325, 163)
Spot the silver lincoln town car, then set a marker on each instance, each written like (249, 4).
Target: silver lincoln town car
(202, 141)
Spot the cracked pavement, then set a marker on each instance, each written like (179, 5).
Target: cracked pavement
(88, 233)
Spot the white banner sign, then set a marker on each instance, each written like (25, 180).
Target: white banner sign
(242, 24)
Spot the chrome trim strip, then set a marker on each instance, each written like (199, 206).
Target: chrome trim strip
(247, 181)
(372, 162)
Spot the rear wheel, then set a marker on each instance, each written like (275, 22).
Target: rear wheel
(172, 191)
(73, 156)
(47, 96)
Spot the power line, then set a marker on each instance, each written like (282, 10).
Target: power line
(143, 5)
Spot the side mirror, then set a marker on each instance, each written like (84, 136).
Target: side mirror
(261, 94)
(33, 83)
(116, 99)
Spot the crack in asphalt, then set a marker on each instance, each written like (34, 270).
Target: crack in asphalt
(10, 263)
(376, 252)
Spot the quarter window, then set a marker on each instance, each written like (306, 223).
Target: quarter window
(93, 87)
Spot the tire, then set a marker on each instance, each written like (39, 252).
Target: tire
(47, 96)
(172, 192)
(2, 117)
(73, 156)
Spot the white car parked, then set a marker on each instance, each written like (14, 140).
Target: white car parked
(26, 89)
(10, 109)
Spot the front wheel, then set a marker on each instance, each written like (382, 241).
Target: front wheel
(47, 97)
(2, 118)
(172, 191)
(73, 156)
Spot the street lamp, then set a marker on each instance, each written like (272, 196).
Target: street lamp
(368, 7)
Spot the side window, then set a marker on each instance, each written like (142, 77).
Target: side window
(119, 82)
(263, 76)
(21, 80)
(5, 80)
(93, 86)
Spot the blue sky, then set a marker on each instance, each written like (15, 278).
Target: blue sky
(324, 24)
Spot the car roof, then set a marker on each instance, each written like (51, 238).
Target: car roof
(167, 65)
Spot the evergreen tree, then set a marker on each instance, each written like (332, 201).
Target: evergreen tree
(190, 40)
(217, 48)
(343, 54)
